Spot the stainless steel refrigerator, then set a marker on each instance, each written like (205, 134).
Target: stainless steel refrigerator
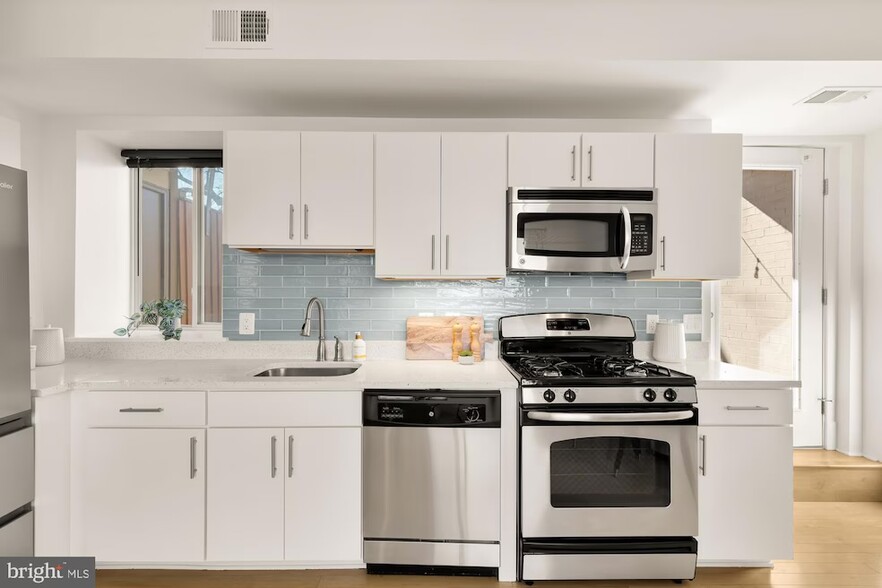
(16, 430)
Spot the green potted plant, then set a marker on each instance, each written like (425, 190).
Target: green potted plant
(165, 313)
(466, 357)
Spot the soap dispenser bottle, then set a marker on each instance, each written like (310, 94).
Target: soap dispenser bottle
(359, 349)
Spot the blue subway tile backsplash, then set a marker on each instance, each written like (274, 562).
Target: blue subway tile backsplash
(276, 287)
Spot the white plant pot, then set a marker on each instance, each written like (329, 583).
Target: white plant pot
(466, 359)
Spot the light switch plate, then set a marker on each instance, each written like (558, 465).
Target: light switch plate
(651, 322)
(693, 323)
(246, 323)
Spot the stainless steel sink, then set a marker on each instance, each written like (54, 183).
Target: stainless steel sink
(308, 371)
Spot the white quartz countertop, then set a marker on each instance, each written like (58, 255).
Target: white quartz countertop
(719, 375)
(208, 374)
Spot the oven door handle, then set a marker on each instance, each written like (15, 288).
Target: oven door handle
(626, 253)
(610, 417)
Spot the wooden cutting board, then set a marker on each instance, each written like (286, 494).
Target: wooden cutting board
(431, 337)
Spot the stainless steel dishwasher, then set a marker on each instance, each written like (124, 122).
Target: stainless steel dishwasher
(431, 481)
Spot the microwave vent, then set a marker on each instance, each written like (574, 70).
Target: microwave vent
(239, 29)
(837, 95)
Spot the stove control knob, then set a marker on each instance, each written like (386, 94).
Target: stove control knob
(549, 395)
(649, 394)
(670, 395)
(569, 396)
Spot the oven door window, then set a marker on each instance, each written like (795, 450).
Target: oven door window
(604, 472)
(571, 235)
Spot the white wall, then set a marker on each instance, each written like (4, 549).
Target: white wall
(102, 292)
(10, 142)
(872, 378)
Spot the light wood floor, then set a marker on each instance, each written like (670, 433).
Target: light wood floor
(837, 544)
(821, 458)
(820, 475)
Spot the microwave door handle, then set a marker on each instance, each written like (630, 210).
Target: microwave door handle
(626, 254)
(610, 417)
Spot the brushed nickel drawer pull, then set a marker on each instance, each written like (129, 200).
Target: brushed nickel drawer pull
(703, 467)
(131, 409)
(273, 467)
(290, 456)
(192, 457)
(747, 408)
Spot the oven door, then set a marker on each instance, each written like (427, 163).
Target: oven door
(581, 236)
(609, 474)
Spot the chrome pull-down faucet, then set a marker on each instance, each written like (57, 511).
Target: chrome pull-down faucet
(307, 323)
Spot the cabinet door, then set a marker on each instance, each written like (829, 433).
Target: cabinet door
(145, 495)
(337, 189)
(473, 204)
(323, 495)
(408, 185)
(540, 160)
(618, 160)
(246, 495)
(699, 206)
(261, 188)
(745, 494)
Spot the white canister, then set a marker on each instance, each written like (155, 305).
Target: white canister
(670, 341)
(50, 345)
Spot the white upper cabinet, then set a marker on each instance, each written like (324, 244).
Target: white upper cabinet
(262, 189)
(408, 193)
(538, 160)
(698, 178)
(337, 190)
(617, 160)
(473, 204)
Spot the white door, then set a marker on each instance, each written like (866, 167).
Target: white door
(145, 495)
(246, 495)
(337, 189)
(544, 160)
(473, 204)
(618, 160)
(261, 188)
(745, 493)
(323, 495)
(807, 166)
(698, 178)
(408, 192)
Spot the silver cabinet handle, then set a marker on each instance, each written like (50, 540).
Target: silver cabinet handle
(573, 153)
(393, 398)
(273, 467)
(610, 417)
(130, 409)
(447, 252)
(664, 251)
(590, 162)
(433, 251)
(290, 456)
(291, 222)
(192, 457)
(306, 221)
(703, 465)
(626, 254)
(747, 408)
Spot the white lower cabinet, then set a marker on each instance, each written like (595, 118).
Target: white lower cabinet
(292, 494)
(144, 493)
(745, 493)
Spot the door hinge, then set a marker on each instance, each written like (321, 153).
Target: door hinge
(826, 186)
(824, 296)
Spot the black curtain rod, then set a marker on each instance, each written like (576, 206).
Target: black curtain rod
(173, 157)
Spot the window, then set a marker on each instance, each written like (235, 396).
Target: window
(178, 247)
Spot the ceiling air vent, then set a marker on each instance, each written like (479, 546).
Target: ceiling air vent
(239, 29)
(837, 95)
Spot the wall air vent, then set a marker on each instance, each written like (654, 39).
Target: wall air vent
(239, 29)
(838, 95)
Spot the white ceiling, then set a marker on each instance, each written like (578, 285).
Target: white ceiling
(755, 97)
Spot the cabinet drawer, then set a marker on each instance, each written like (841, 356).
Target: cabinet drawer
(17, 467)
(745, 407)
(145, 409)
(284, 409)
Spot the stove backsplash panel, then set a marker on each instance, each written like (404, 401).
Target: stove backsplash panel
(276, 287)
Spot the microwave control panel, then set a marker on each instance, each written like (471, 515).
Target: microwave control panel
(641, 234)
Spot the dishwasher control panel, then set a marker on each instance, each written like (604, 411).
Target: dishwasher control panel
(431, 408)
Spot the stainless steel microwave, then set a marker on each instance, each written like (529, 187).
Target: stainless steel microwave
(581, 230)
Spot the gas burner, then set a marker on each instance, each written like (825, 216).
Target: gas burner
(549, 367)
(624, 366)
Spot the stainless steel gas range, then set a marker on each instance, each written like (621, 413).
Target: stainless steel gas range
(608, 452)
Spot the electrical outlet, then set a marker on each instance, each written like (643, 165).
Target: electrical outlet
(692, 323)
(651, 322)
(246, 323)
